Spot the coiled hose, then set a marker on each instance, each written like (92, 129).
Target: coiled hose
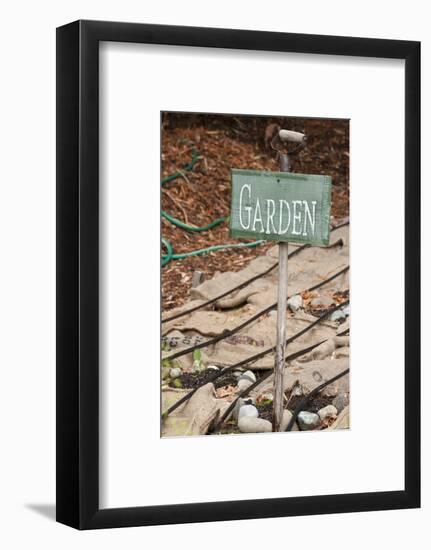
(166, 258)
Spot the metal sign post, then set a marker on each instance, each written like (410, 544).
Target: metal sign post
(282, 207)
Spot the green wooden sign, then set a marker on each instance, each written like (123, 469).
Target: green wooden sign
(280, 206)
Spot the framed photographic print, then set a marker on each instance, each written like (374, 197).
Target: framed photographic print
(238, 288)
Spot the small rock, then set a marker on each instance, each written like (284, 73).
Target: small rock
(212, 367)
(243, 384)
(272, 313)
(327, 412)
(249, 374)
(308, 420)
(341, 402)
(245, 381)
(287, 415)
(240, 403)
(338, 315)
(346, 310)
(295, 302)
(248, 410)
(249, 424)
(175, 372)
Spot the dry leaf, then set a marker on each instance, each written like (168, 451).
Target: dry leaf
(225, 391)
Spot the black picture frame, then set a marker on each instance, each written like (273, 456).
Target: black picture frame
(78, 273)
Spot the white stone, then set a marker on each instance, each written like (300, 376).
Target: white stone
(243, 384)
(249, 424)
(295, 302)
(287, 415)
(327, 412)
(249, 374)
(248, 410)
(338, 315)
(308, 420)
(239, 403)
(175, 372)
(245, 381)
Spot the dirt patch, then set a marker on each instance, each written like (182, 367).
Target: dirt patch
(266, 409)
(312, 406)
(191, 380)
(230, 427)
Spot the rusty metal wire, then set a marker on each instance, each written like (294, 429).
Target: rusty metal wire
(257, 356)
(244, 393)
(228, 333)
(248, 281)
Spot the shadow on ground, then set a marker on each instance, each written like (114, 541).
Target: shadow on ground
(46, 510)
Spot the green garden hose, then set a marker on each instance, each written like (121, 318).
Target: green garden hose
(187, 227)
(166, 258)
(188, 167)
(178, 223)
